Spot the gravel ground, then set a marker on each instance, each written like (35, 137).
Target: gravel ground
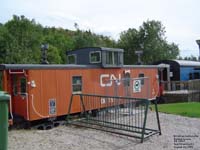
(178, 133)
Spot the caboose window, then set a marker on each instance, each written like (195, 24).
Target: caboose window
(1, 80)
(127, 79)
(116, 59)
(109, 58)
(71, 59)
(22, 86)
(15, 89)
(113, 58)
(141, 75)
(77, 84)
(95, 57)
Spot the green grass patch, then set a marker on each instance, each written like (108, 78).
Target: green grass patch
(191, 109)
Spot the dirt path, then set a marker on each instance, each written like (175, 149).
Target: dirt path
(185, 131)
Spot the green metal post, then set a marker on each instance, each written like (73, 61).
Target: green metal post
(69, 109)
(157, 117)
(4, 100)
(83, 105)
(145, 119)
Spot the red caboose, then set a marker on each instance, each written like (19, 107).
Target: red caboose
(42, 91)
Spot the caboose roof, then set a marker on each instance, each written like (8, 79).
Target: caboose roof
(41, 66)
(94, 49)
(62, 66)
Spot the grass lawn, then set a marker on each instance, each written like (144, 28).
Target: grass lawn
(191, 109)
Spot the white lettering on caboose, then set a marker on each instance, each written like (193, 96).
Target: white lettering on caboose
(108, 79)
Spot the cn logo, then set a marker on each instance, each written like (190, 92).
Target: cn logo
(108, 79)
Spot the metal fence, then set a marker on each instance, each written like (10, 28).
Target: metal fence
(190, 88)
(194, 90)
(175, 85)
(122, 115)
(128, 87)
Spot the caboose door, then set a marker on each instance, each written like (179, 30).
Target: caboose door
(19, 95)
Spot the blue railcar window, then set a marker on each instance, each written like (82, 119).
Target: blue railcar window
(196, 75)
(190, 76)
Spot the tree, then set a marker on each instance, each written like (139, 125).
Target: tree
(53, 55)
(58, 38)
(83, 39)
(23, 38)
(151, 39)
(191, 57)
(3, 43)
(129, 41)
(88, 39)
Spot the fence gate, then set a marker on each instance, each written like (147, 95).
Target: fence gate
(122, 115)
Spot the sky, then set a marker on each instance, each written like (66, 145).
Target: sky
(181, 18)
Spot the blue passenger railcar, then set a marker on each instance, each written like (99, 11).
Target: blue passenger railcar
(181, 70)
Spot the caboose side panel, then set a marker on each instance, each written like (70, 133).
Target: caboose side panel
(50, 96)
(41, 89)
(47, 93)
(149, 85)
(53, 88)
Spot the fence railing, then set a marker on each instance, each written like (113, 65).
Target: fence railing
(122, 115)
(191, 88)
(175, 85)
(127, 87)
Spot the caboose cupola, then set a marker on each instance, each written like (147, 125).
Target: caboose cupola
(97, 56)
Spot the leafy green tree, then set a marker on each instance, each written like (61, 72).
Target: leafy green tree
(83, 39)
(191, 58)
(59, 39)
(23, 38)
(88, 39)
(180, 58)
(53, 55)
(129, 41)
(155, 46)
(3, 43)
(151, 39)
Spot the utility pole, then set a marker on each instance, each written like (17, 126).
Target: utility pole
(198, 42)
(139, 54)
(44, 48)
